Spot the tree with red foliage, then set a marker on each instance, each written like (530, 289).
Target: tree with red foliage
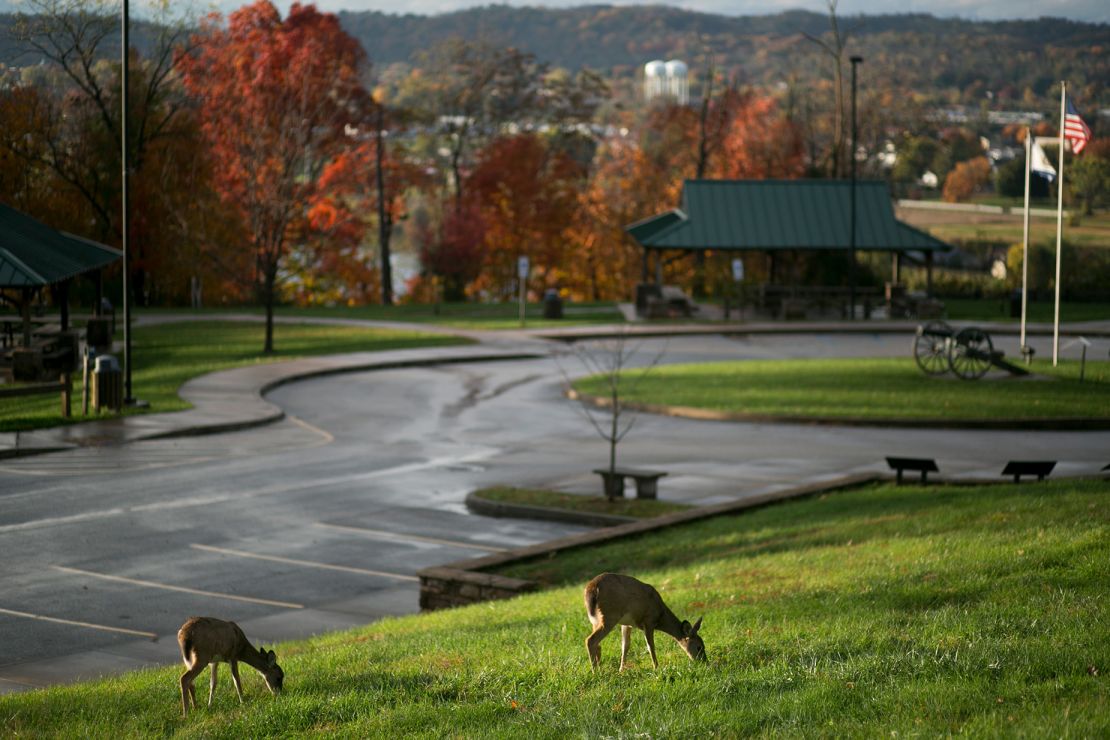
(453, 253)
(350, 187)
(527, 191)
(273, 97)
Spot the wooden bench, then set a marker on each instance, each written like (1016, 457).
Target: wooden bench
(916, 464)
(647, 481)
(1018, 468)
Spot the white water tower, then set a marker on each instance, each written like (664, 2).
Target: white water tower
(670, 78)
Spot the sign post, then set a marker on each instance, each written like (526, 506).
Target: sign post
(738, 277)
(522, 279)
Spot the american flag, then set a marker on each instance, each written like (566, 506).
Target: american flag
(1075, 130)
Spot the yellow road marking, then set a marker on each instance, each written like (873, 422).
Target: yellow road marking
(305, 563)
(90, 625)
(414, 537)
(182, 589)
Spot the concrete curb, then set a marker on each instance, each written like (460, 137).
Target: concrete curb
(876, 326)
(501, 509)
(464, 582)
(1059, 424)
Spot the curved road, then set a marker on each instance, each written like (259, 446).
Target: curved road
(320, 521)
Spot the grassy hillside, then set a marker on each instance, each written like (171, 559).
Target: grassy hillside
(880, 611)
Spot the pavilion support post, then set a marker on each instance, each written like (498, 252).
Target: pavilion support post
(98, 281)
(928, 274)
(25, 311)
(658, 267)
(644, 271)
(895, 268)
(63, 303)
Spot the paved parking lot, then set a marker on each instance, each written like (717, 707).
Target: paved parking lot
(321, 521)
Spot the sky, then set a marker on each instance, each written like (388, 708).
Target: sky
(1097, 11)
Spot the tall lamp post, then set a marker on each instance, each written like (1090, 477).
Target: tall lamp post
(127, 397)
(852, 219)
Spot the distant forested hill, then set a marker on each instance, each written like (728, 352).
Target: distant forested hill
(1007, 64)
(954, 59)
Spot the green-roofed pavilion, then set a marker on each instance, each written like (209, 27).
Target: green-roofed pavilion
(34, 256)
(777, 216)
(770, 215)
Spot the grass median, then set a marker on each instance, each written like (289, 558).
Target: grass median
(167, 355)
(869, 389)
(875, 612)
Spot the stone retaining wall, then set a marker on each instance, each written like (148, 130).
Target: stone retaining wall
(465, 582)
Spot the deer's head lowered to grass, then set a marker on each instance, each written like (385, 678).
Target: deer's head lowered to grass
(613, 599)
(205, 640)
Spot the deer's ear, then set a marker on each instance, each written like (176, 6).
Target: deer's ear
(271, 657)
(696, 627)
(686, 628)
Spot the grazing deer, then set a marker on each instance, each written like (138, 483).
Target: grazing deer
(204, 640)
(613, 599)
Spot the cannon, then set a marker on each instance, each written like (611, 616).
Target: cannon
(967, 352)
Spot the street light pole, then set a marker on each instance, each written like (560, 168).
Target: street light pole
(852, 220)
(128, 398)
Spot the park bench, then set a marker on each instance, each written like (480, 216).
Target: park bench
(1018, 468)
(916, 464)
(647, 485)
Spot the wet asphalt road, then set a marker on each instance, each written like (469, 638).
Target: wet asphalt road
(320, 522)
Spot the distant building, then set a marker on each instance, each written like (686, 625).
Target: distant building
(669, 79)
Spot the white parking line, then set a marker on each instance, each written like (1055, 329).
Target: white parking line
(182, 589)
(415, 538)
(90, 625)
(305, 563)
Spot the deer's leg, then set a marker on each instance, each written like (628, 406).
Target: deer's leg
(649, 635)
(626, 637)
(212, 684)
(593, 642)
(187, 691)
(235, 680)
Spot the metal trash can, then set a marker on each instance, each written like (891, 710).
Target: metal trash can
(107, 384)
(552, 304)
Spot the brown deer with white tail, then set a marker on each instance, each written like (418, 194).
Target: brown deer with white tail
(204, 641)
(613, 599)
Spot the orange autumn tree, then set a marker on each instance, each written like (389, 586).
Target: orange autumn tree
(760, 143)
(273, 97)
(346, 213)
(966, 179)
(526, 191)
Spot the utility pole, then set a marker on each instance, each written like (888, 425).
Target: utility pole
(383, 227)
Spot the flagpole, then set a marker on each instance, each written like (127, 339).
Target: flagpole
(1025, 236)
(1059, 227)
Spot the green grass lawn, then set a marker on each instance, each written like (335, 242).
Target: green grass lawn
(882, 611)
(167, 355)
(871, 389)
(634, 507)
(998, 309)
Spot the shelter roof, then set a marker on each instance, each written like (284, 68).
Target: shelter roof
(772, 215)
(33, 254)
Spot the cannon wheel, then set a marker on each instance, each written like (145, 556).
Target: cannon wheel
(930, 347)
(970, 353)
